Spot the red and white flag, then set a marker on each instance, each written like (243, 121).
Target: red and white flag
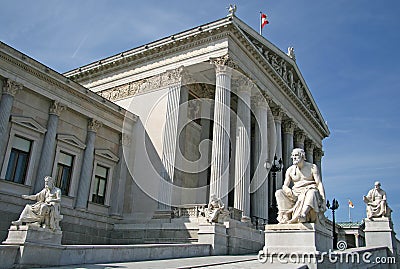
(351, 205)
(264, 20)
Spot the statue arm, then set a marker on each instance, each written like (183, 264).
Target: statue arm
(30, 197)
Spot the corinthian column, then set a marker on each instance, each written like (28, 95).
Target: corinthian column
(288, 129)
(10, 88)
(170, 136)
(49, 145)
(309, 149)
(318, 153)
(299, 138)
(242, 158)
(219, 181)
(278, 114)
(259, 186)
(87, 165)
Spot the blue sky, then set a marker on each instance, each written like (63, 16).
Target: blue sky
(347, 51)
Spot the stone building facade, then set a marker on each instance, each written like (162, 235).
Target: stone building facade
(145, 137)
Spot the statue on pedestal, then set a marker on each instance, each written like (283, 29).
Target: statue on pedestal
(376, 203)
(45, 212)
(306, 199)
(215, 211)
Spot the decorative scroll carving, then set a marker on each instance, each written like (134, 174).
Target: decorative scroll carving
(56, 108)
(288, 126)
(223, 64)
(309, 146)
(94, 125)
(11, 87)
(277, 112)
(299, 137)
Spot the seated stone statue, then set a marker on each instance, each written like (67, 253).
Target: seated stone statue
(376, 203)
(45, 212)
(306, 199)
(215, 209)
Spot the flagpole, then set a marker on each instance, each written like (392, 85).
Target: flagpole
(260, 23)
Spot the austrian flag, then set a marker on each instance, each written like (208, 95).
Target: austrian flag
(351, 205)
(264, 20)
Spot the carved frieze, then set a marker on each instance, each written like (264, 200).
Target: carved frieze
(168, 78)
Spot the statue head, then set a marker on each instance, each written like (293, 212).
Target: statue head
(377, 185)
(48, 182)
(298, 155)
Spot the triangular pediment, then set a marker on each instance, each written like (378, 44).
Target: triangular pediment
(71, 140)
(29, 123)
(105, 153)
(283, 69)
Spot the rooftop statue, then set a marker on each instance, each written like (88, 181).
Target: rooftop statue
(306, 199)
(376, 203)
(45, 212)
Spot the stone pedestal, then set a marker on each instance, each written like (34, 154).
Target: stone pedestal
(19, 235)
(214, 234)
(379, 233)
(299, 238)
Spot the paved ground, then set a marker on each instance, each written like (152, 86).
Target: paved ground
(217, 262)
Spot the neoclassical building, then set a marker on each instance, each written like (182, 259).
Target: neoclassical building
(138, 142)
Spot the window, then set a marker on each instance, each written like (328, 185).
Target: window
(100, 184)
(19, 159)
(64, 172)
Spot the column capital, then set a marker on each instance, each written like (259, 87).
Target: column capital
(309, 145)
(288, 126)
(318, 153)
(94, 125)
(244, 84)
(277, 112)
(11, 87)
(299, 136)
(223, 64)
(56, 108)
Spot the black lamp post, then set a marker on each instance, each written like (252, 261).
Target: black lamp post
(275, 168)
(333, 207)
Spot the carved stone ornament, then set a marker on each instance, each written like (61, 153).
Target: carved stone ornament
(299, 137)
(56, 108)
(223, 64)
(309, 145)
(258, 101)
(94, 125)
(288, 126)
(243, 84)
(11, 87)
(168, 78)
(318, 153)
(277, 112)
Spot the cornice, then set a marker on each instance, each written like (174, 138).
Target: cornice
(275, 67)
(57, 80)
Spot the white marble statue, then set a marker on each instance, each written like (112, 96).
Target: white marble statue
(291, 54)
(376, 203)
(45, 212)
(215, 209)
(306, 199)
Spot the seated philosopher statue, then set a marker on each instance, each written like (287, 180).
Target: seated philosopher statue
(214, 210)
(45, 212)
(376, 203)
(306, 199)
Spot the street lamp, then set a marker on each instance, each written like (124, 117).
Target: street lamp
(333, 207)
(275, 168)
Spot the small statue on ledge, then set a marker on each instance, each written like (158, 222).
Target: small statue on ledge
(376, 203)
(45, 212)
(215, 211)
(305, 201)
